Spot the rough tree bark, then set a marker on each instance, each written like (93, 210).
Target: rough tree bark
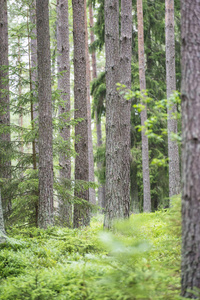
(125, 106)
(92, 196)
(145, 144)
(45, 213)
(81, 214)
(117, 148)
(64, 208)
(5, 164)
(191, 146)
(173, 152)
(101, 189)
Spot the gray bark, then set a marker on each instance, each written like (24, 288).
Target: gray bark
(101, 188)
(125, 106)
(145, 145)
(190, 147)
(92, 196)
(45, 216)
(117, 148)
(65, 208)
(5, 163)
(173, 152)
(81, 212)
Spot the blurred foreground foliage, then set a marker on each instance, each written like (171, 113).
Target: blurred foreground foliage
(140, 259)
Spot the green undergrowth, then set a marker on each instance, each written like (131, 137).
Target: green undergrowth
(140, 259)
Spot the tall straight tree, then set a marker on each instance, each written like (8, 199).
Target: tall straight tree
(117, 120)
(145, 143)
(190, 150)
(45, 215)
(5, 164)
(65, 209)
(125, 106)
(92, 197)
(101, 189)
(81, 214)
(173, 152)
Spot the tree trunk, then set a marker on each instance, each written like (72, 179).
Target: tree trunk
(190, 149)
(125, 106)
(101, 189)
(2, 228)
(117, 148)
(45, 215)
(92, 196)
(32, 57)
(81, 212)
(19, 94)
(5, 163)
(64, 209)
(34, 61)
(145, 144)
(173, 152)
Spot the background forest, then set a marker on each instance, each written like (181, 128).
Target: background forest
(90, 135)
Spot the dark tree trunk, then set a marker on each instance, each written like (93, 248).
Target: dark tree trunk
(145, 144)
(101, 189)
(65, 208)
(5, 163)
(191, 150)
(45, 216)
(173, 153)
(81, 212)
(117, 127)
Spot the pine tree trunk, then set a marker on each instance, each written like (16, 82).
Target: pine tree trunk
(145, 145)
(45, 216)
(81, 212)
(64, 209)
(32, 55)
(125, 106)
(101, 189)
(92, 196)
(117, 148)
(173, 152)
(190, 149)
(5, 163)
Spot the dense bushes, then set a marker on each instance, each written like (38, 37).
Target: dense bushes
(139, 260)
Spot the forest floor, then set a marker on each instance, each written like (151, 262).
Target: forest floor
(140, 259)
